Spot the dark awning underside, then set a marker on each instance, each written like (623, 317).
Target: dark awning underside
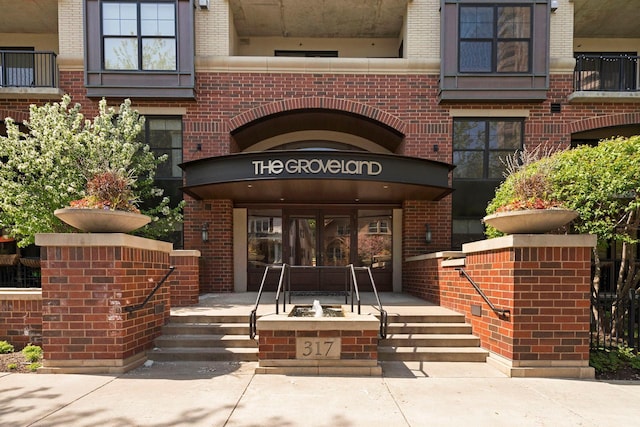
(316, 176)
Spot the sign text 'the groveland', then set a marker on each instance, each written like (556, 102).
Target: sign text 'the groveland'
(317, 166)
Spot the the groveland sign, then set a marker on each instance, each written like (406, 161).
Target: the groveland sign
(314, 175)
(315, 166)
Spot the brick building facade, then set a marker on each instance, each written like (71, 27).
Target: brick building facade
(395, 85)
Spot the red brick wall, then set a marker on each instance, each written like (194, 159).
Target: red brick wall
(84, 293)
(407, 103)
(361, 345)
(416, 215)
(216, 261)
(552, 303)
(20, 320)
(185, 280)
(546, 290)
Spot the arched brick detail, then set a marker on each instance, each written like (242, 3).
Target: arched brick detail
(17, 116)
(318, 103)
(604, 121)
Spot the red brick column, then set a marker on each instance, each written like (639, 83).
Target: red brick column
(88, 281)
(544, 282)
(185, 280)
(216, 260)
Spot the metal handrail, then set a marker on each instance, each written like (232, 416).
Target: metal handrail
(384, 319)
(284, 288)
(353, 286)
(137, 307)
(253, 317)
(499, 311)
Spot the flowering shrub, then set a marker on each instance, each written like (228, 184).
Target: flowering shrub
(535, 203)
(527, 184)
(109, 190)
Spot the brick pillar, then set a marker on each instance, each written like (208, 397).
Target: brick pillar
(185, 281)
(216, 260)
(543, 280)
(88, 281)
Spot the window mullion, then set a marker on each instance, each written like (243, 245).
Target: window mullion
(139, 26)
(487, 144)
(494, 53)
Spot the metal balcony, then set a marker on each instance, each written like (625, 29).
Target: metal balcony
(606, 72)
(28, 69)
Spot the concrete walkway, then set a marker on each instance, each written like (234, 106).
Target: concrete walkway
(229, 394)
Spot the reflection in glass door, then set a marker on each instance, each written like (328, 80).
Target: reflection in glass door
(301, 251)
(264, 239)
(302, 241)
(321, 241)
(336, 240)
(319, 244)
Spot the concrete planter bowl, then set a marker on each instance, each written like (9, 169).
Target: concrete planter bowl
(533, 221)
(101, 220)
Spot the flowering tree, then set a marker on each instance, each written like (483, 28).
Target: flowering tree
(48, 166)
(602, 184)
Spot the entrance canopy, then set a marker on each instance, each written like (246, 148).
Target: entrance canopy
(301, 176)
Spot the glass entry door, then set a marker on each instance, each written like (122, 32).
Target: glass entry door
(318, 248)
(318, 244)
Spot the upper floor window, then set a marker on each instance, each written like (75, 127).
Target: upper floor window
(381, 227)
(495, 50)
(139, 35)
(343, 230)
(163, 134)
(139, 48)
(308, 53)
(495, 39)
(479, 146)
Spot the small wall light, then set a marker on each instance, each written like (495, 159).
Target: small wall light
(205, 232)
(204, 4)
(554, 5)
(427, 234)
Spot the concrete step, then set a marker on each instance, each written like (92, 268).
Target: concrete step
(428, 328)
(430, 340)
(429, 318)
(207, 319)
(198, 354)
(206, 341)
(433, 354)
(206, 329)
(436, 337)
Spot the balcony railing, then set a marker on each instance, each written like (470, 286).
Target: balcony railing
(606, 72)
(23, 68)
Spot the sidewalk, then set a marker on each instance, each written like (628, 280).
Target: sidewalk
(229, 394)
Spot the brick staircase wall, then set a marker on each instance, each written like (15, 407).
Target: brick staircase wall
(543, 280)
